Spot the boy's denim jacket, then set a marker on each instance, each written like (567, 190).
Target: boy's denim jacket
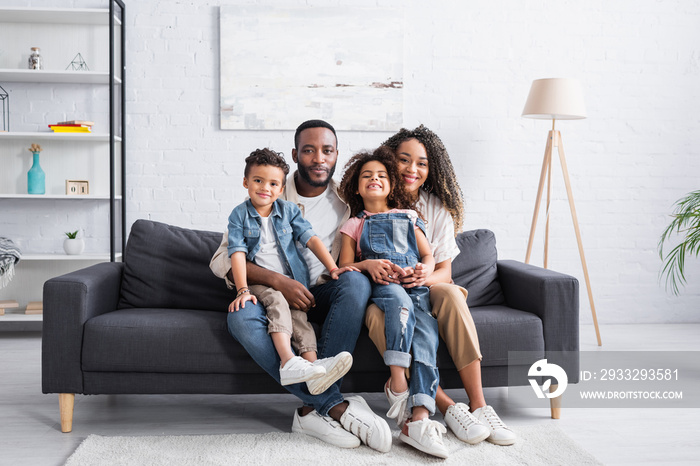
(289, 225)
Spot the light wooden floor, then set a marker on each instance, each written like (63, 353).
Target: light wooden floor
(30, 432)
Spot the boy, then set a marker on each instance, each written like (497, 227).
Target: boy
(266, 230)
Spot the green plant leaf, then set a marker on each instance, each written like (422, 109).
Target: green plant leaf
(686, 222)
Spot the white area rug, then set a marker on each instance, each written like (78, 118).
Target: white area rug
(537, 445)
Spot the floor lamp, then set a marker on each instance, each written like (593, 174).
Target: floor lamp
(557, 99)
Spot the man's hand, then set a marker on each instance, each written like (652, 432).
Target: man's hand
(296, 294)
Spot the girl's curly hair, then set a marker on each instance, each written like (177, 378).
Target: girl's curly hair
(442, 180)
(398, 197)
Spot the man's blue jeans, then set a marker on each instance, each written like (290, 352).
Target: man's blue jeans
(340, 309)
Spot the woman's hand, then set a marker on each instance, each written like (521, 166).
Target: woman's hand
(239, 302)
(336, 272)
(415, 276)
(384, 271)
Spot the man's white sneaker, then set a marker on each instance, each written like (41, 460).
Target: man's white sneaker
(464, 425)
(500, 433)
(398, 403)
(335, 367)
(359, 419)
(324, 428)
(426, 436)
(298, 370)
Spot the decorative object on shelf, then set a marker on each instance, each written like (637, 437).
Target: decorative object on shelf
(77, 187)
(7, 304)
(34, 307)
(35, 60)
(685, 223)
(9, 256)
(5, 99)
(557, 99)
(36, 179)
(73, 245)
(78, 64)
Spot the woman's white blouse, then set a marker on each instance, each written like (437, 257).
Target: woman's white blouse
(440, 227)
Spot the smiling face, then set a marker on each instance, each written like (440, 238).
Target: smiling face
(264, 184)
(412, 161)
(373, 185)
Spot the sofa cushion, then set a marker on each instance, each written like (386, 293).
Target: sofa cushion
(475, 268)
(168, 267)
(502, 329)
(174, 341)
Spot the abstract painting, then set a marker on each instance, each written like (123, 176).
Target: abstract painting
(283, 65)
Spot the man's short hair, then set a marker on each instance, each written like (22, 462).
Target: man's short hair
(266, 157)
(313, 124)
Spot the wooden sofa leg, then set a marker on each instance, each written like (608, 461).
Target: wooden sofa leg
(555, 403)
(65, 405)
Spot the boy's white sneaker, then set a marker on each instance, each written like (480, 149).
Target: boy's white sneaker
(324, 428)
(426, 436)
(299, 370)
(464, 425)
(500, 433)
(335, 368)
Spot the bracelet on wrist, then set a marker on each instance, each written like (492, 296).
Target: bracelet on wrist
(242, 291)
(331, 271)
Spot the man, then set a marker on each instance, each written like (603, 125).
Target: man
(337, 305)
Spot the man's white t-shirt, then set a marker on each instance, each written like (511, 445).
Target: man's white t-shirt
(325, 213)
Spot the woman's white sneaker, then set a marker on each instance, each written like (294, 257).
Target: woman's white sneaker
(426, 436)
(464, 425)
(298, 370)
(324, 428)
(500, 433)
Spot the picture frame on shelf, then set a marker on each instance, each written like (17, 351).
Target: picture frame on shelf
(77, 187)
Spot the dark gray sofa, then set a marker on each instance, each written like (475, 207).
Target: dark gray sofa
(156, 322)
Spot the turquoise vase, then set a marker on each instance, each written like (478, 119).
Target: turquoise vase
(36, 179)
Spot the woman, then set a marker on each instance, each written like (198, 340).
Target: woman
(430, 179)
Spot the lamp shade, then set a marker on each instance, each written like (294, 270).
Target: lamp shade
(555, 99)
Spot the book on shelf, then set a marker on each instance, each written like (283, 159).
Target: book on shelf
(70, 128)
(76, 122)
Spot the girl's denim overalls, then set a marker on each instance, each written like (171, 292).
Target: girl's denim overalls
(408, 320)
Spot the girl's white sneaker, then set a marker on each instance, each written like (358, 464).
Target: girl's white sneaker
(426, 436)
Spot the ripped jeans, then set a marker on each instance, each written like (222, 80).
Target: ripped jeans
(410, 328)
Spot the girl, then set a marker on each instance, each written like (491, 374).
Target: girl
(389, 239)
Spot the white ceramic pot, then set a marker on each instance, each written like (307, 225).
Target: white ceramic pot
(73, 247)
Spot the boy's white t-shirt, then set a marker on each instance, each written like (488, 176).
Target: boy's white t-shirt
(324, 212)
(268, 256)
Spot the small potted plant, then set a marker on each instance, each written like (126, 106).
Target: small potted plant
(72, 244)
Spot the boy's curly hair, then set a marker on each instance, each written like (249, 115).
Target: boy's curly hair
(442, 180)
(266, 157)
(398, 197)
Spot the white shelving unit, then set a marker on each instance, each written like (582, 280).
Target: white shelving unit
(98, 33)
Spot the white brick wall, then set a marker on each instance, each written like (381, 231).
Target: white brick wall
(468, 69)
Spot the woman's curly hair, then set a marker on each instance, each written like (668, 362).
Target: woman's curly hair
(398, 197)
(442, 180)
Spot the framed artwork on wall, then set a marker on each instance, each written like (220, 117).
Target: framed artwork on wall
(282, 65)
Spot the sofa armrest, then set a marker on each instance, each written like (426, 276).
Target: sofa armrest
(70, 300)
(551, 295)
